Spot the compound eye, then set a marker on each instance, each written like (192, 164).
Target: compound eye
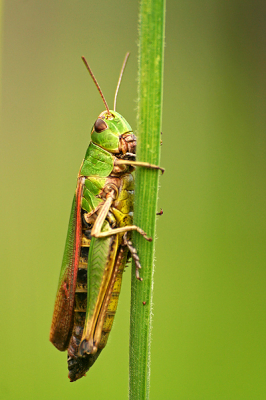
(100, 125)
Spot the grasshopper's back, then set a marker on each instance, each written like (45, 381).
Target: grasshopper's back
(101, 266)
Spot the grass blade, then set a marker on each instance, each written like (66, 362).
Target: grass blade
(150, 83)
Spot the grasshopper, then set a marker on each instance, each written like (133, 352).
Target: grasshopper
(97, 246)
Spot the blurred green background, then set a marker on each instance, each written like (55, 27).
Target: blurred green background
(209, 329)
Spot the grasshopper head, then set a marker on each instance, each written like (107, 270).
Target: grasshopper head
(113, 133)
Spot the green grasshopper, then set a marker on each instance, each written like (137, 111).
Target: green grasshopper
(97, 247)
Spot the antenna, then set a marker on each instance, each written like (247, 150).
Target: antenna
(120, 78)
(96, 83)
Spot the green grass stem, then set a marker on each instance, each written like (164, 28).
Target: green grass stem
(150, 84)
